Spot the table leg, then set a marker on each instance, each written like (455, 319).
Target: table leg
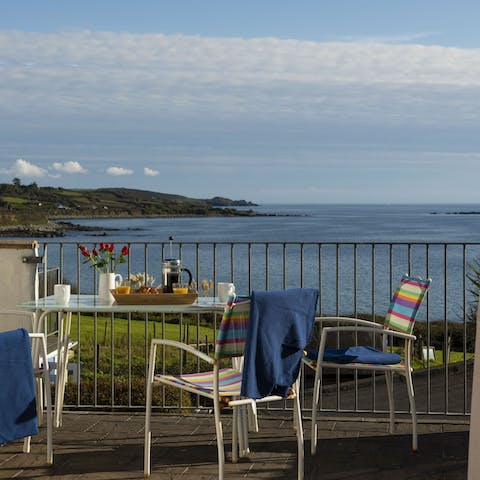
(64, 323)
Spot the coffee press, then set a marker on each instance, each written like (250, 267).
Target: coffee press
(172, 273)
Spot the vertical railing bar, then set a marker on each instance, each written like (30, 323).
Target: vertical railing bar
(464, 288)
(45, 269)
(267, 266)
(409, 250)
(214, 293)
(320, 303)
(355, 310)
(112, 359)
(284, 265)
(429, 383)
(337, 280)
(337, 313)
(374, 390)
(80, 345)
(232, 263)
(96, 358)
(390, 290)
(197, 265)
(60, 263)
(197, 268)
(355, 280)
(249, 252)
(146, 346)
(445, 337)
(129, 333)
(164, 396)
(302, 259)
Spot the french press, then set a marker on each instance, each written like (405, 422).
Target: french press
(172, 273)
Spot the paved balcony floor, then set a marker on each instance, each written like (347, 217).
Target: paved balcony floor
(110, 446)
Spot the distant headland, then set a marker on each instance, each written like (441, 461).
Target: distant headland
(30, 210)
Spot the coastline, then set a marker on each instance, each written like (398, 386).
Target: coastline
(58, 225)
(48, 230)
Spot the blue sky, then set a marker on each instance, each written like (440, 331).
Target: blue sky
(273, 101)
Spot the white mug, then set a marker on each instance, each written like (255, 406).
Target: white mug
(224, 290)
(62, 294)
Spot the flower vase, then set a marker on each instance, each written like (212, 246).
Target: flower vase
(107, 282)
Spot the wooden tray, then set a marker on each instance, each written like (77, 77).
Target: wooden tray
(154, 298)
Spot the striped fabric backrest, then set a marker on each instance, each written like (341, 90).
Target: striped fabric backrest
(232, 333)
(405, 303)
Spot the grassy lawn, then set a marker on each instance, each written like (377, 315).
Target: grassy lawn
(419, 364)
(113, 368)
(128, 343)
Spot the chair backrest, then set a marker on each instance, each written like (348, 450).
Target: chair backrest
(233, 329)
(405, 303)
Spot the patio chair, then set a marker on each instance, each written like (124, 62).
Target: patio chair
(398, 324)
(270, 331)
(18, 412)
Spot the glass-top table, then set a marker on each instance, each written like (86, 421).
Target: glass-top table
(93, 304)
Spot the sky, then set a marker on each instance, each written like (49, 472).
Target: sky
(272, 101)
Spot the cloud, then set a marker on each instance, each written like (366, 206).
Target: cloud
(153, 78)
(150, 173)
(23, 167)
(68, 167)
(118, 171)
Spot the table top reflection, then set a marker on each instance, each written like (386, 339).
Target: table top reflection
(92, 303)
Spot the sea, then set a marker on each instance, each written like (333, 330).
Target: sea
(351, 277)
(303, 223)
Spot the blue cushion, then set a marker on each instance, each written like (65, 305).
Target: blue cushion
(357, 355)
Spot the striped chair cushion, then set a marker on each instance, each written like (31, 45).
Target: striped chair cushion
(405, 303)
(232, 332)
(230, 381)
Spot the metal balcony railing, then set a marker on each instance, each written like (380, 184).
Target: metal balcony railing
(353, 279)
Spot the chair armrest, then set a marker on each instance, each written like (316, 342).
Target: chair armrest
(355, 321)
(391, 333)
(185, 347)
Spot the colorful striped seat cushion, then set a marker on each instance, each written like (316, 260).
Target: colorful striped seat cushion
(230, 381)
(405, 303)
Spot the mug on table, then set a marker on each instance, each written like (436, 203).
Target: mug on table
(224, 290)
(61, 293)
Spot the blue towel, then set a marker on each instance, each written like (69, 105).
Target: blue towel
(18, 416)
(357, 354)
(279, 328)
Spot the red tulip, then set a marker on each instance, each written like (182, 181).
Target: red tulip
(125, 250)
(110, 247)
(95, 252)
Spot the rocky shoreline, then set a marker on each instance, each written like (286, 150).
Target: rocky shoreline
(48, 230)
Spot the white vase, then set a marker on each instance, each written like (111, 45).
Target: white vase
(107, 282)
